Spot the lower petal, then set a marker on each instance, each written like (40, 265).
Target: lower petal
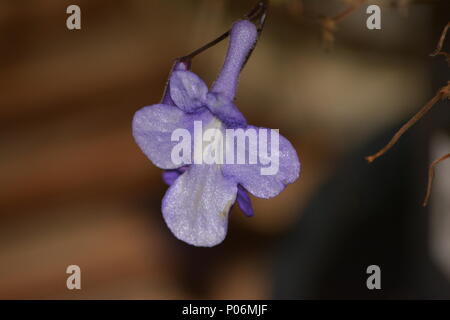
(266, 186)
(197, 205)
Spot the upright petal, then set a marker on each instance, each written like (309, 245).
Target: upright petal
(242, 39)
(196, 206)
(177, 66)
(153, 127)
(187, 90)
(286, 171)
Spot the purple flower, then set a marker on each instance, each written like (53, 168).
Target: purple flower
(197, 204)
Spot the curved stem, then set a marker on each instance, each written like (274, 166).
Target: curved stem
(441, 42)
(440, 95)
(431, 177)
(257, 13)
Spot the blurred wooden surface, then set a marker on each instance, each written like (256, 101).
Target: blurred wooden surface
(75, 189)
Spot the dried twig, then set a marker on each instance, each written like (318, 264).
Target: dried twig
(441, 94)
(440, 44)
(431, 176)
(329, 24)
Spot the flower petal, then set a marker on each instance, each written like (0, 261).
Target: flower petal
(187, 90)
(266, 186)
(177, 66)
(242, 39)
(244, 201)
(153, 127)
(169, 176)
(196, 206)
(225, 110)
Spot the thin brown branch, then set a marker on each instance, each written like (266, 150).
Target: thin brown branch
(431, 177)
(441, 94)
(440, 44)
(329, 24)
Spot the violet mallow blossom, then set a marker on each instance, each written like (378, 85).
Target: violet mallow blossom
(197, 204)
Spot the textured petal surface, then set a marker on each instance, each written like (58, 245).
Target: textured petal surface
(266, 186)
(187, 90)
(244, 201)
(242, 39)
(225, 110)
(153, 127)
(197, 205)
(177, 66)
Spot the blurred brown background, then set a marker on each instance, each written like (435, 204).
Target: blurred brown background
(75, 188)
